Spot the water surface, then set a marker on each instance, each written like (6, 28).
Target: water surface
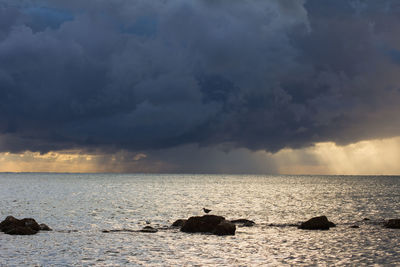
(79, 206)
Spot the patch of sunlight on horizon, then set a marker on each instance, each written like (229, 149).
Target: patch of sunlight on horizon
(373, 157)
(66, 161)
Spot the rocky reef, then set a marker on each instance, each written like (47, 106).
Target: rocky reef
(26, 226)
(317, 223)
(212, 224)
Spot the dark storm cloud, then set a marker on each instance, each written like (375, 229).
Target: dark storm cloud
(143, 75)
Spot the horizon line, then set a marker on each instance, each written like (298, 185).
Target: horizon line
(200, 173)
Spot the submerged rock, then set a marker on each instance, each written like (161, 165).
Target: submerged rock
(243, 222)
(179, 223)
(209, 224)
(120, 230)
(393, 224)
(317, 223)
(148, 229)
(44, 227)
(26, 226)
(67, 231)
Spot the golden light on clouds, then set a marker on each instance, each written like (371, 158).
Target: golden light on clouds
(374, 157)
(70, 161)
(67, 161)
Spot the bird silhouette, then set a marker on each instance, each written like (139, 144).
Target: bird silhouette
(206, 210)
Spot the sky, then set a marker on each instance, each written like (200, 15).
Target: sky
(200, 86)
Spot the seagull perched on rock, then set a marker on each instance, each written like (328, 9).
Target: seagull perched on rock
(206, 210)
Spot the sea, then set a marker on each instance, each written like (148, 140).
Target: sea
(82, 209)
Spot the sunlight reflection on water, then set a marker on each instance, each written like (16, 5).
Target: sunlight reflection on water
(90, 203)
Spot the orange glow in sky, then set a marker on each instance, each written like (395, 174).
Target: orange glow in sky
(374, 157)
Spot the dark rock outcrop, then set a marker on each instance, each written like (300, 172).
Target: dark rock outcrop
(31, 223)
(243, 222)
(355, 226)
(8, 222)
(317, 223)
(13, 226)
(393, 224)
(202, 224)
(209, 224)
(20, 230)
(179, 223)
(225, 228)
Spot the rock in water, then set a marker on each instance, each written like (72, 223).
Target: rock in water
(225, 228)
(393, 224)
(13, 226)
(148, 229)
(317, 223)
(44, 227)
(203, 224)
(179, 223)
(31, 223)
(19, 230)
(209, 224)
(9, 221)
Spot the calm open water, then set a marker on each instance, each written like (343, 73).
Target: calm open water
(79, 206)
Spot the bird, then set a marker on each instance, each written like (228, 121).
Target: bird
(206, 210)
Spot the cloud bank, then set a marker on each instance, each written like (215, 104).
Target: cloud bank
(148, 75)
